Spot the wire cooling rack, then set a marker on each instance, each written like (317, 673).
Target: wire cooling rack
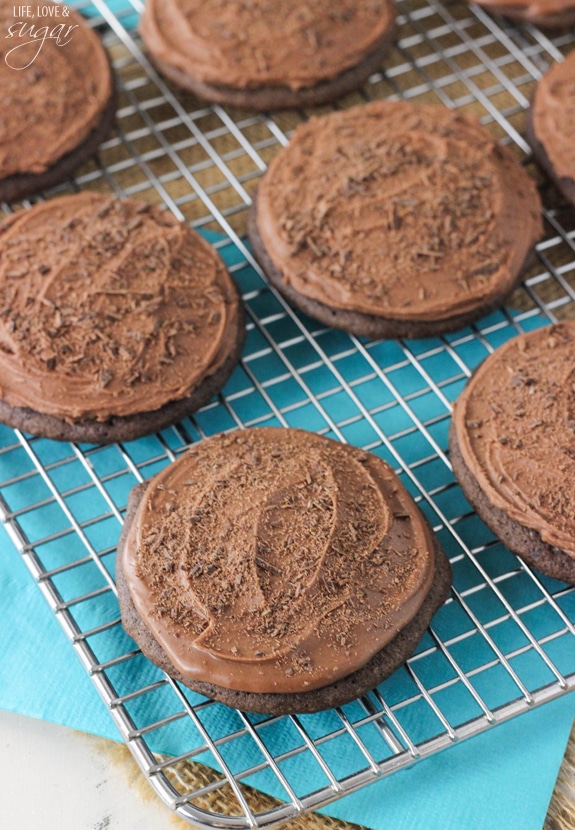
(504, 642)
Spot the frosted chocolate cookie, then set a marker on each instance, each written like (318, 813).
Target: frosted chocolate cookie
(278, 571)
(268, 54)
(394, 220)
(551, 125)
(547, 14)
(512, 444)
(116, 319)
(58, 99)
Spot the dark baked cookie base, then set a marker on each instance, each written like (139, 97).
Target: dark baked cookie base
(564, 184)
(130, 427)
(381, 665)
(524, 541)
(17, 187)
(282, 97)
(357, 322)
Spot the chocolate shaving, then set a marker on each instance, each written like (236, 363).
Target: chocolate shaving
(105, 378)
(267, 566)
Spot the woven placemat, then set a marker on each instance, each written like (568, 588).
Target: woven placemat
(561, 815)
(191, 776)
(187, 775)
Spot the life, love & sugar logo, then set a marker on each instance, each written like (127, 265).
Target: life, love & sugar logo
(31, 35)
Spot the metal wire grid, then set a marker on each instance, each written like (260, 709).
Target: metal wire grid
(504, 641)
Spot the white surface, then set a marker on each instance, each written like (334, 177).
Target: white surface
(53, 778)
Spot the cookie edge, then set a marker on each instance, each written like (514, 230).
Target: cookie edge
(371, 325)
(557, 21)
(22, 185)
(130, 427)
(266, 98)
(525, 542)
(564, 184)
(349, 688)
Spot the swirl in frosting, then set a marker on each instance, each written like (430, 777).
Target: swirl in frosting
(108, 308)
(515, 425)
(402, 211)
(276, 560)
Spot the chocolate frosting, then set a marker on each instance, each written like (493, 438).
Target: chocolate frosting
(531, 11)
(553, 116)
(515, 425)
(254, 43)
(276, 560)
(108, 308)
(402, 211)
(51, 100)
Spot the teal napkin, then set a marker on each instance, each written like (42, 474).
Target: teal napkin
(509, 771)
(504, 777)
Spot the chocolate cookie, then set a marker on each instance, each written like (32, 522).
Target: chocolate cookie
(268, 54)
(116, 320)
(547, 14)
(551, 125)
(58, 99)
(512, 444)
(278, 571)
(394, 220)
